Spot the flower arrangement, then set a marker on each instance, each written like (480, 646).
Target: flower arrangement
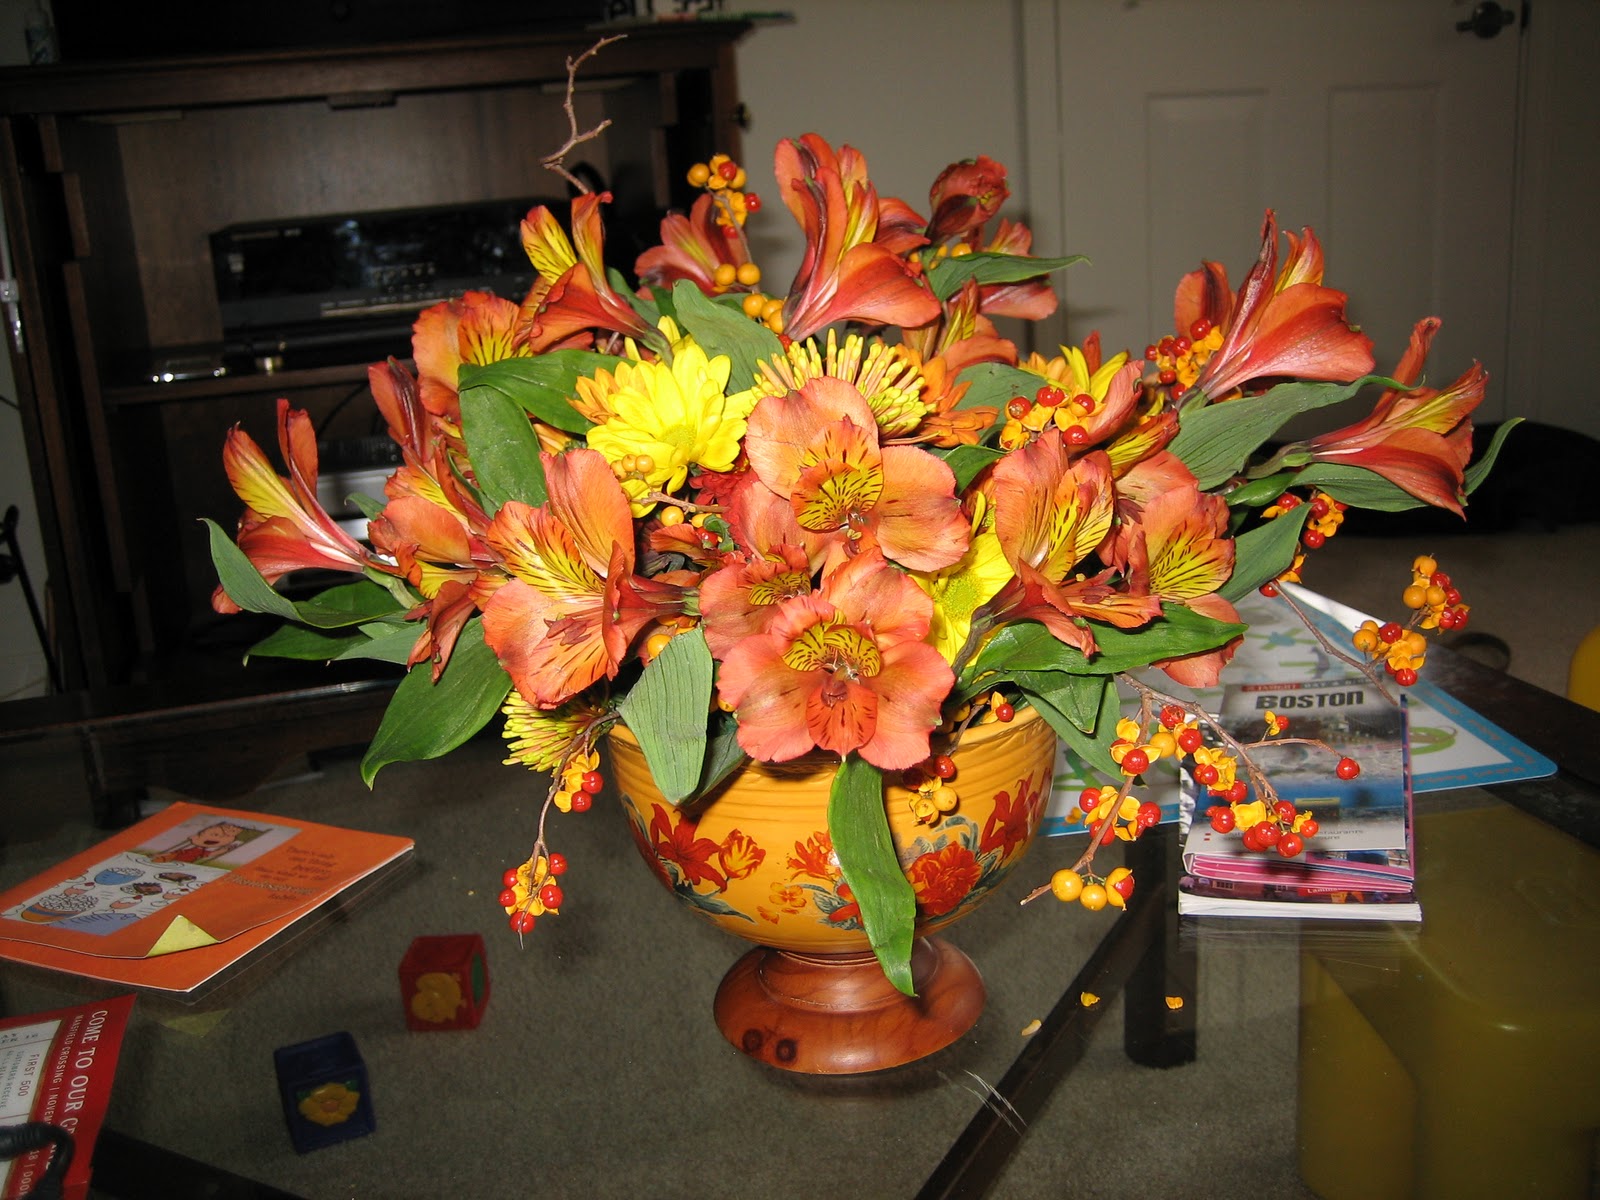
(846, 518)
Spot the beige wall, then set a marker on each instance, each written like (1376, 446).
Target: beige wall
(913, 84)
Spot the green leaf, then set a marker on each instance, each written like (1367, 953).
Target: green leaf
(348, 604)
(1264, 553)
(649, 309)
(1215, 441)
(336, 608)
(967, 461)
(542, 385)
(427, 719)
(1029, 646)
(503, 448)
(386, 643)
(296, 641)
(1359, 487)
(947, 275)
(1479, 471)
(1076, 697)
(241, 580)
(666, 710)
(724, 329)
(1259, 493)
(724, 755)
(992, 385)
(860, 830)
(1094, 747)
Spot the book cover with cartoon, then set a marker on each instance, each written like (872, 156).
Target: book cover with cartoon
(190, 877)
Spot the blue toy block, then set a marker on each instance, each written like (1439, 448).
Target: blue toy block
(326, 1097)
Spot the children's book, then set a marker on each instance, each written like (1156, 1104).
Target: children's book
(175, 901)
(57, 1067)
(1359, 863)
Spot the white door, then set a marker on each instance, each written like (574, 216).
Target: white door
(1174, 125)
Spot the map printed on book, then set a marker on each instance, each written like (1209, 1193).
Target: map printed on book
(1359, 863)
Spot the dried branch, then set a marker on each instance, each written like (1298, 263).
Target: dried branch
(557, 162)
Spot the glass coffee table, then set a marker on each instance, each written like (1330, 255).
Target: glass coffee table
(1193, 1057)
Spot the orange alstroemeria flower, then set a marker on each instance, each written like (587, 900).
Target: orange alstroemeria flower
(964, 196)
(847, 274)
(1280, 323)
(284, 528)
(819, 446)
(845, 669)
(1185, 557)
(1051, 513)
(572, 606)
(476, 327)
(692, 247)
(1419, 440)
(1027, 299)
(572, 296)
(741, 598)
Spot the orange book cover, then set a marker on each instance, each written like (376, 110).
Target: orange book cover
(174, 900)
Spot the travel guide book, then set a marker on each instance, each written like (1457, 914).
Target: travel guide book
(1359, 864)
(57, 1067)
(1450, 745)
(173, 902)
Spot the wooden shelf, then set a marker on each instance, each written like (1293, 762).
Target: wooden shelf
(114, 175)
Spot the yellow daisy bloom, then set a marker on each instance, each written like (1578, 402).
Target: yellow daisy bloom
(665, 418)
(888, 377)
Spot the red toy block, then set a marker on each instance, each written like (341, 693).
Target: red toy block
(444, 982)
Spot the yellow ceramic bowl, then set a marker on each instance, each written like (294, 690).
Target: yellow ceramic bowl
(756, 859)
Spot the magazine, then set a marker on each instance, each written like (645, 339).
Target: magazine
(172, 902)
(57, 1067)
(1359, 865)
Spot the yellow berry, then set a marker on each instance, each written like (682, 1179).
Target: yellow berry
(1414, 596)
(724, 275)
(655, 644)
(671, 516)
(1423, 565)
(754, 305)
(946, 799)
(1066, 885)
(699, 174)
(749, 274)
(1093, 897)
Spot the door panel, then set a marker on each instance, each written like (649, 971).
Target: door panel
(1180, 122)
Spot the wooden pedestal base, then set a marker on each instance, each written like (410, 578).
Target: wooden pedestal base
(837, 1014)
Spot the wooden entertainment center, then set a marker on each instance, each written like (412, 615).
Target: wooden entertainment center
(114, 174)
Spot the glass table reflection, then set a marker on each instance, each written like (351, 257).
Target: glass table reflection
(1168, 1059)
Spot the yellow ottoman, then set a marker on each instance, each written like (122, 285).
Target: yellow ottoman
(1461, 1057)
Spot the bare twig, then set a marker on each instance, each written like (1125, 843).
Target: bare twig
(1366, 668)
(557, 162)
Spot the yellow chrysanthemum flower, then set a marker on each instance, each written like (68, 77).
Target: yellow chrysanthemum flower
(665, 418)
(539, 739)
(888, 377)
